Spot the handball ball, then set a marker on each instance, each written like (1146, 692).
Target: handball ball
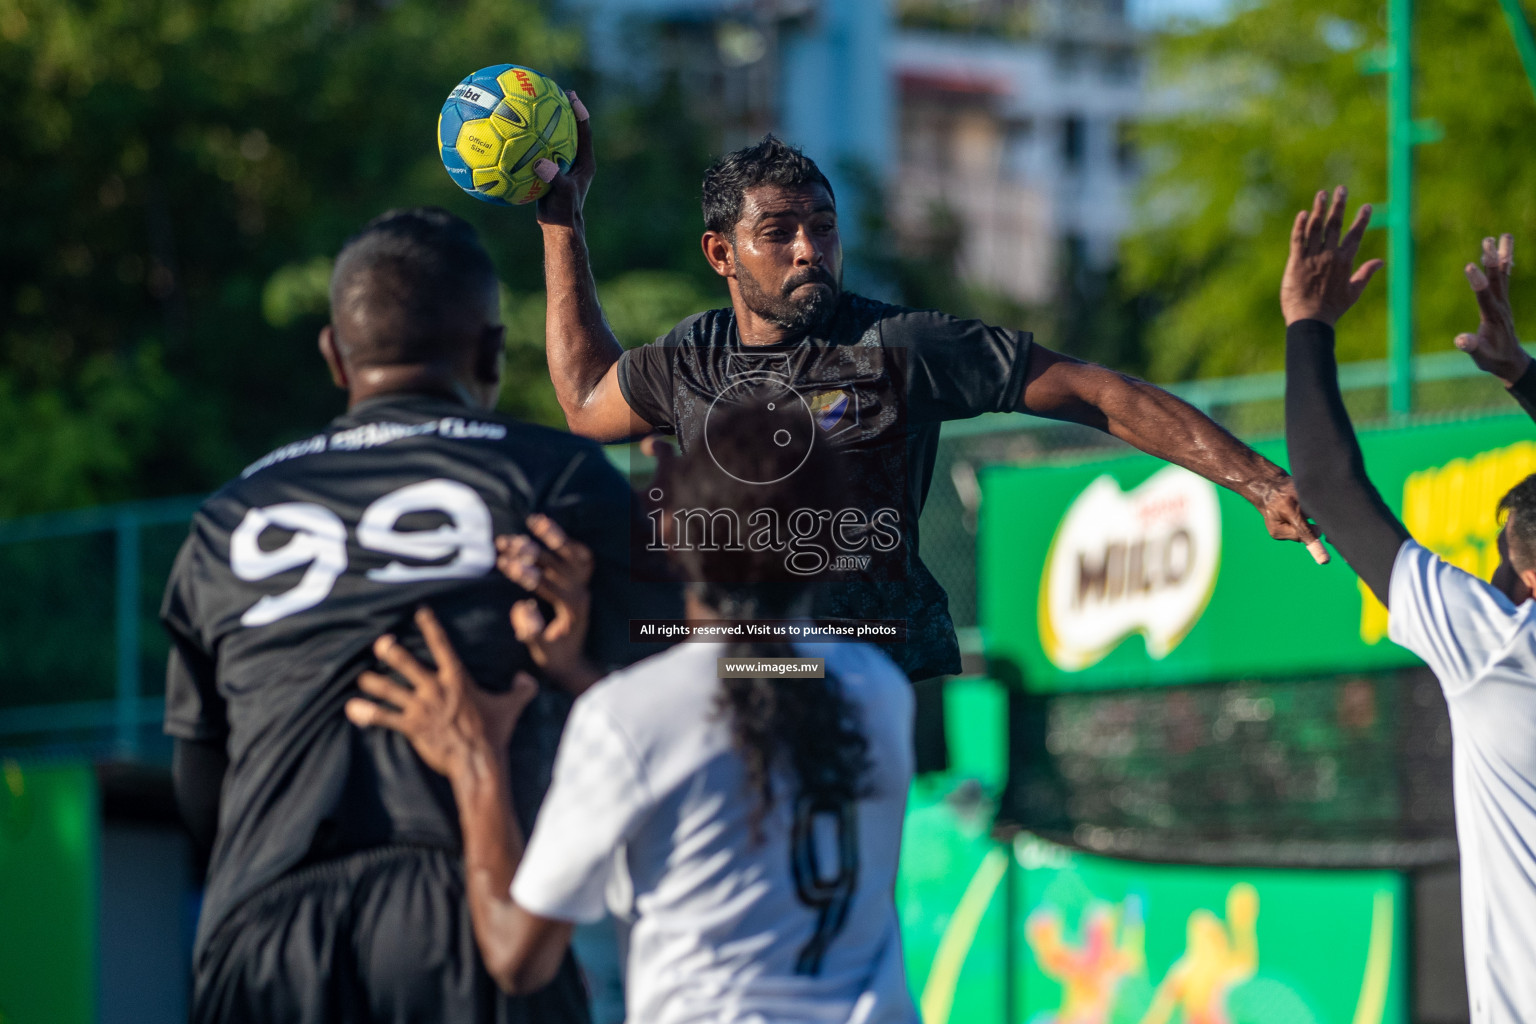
(496, 123)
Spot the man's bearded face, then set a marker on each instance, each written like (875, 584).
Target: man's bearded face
(787, 256)
(803, 303)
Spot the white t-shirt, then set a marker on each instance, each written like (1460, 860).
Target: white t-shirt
(1483, 649)
(647, 785)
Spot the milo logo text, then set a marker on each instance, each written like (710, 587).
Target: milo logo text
(1142, 561)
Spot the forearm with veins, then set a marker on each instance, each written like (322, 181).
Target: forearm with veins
(578, 342)
(493, 848)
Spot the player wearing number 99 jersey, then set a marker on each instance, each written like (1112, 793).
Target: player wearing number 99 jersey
(334, 888)
(747, 825)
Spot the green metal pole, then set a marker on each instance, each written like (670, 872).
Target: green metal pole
(127, 616)
(1520, 28)
(1400, 139)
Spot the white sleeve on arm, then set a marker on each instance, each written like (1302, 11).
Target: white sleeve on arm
(1456, 622)
(596, 797)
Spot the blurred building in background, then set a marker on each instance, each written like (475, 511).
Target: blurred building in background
(995, 130)
(814, 71)
(1015, 135)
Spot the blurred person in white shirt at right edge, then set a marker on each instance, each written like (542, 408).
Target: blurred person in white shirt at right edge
(747, 829)
(1479, 638)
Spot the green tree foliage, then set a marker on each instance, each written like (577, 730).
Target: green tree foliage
(175, 176)
(1275, 107)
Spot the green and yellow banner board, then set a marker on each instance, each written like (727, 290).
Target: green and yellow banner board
(1112, 941)
(1101, 941)
(953, 907)
(1125, 571)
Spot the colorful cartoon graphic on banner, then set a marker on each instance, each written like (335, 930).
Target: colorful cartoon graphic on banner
(1114, 942)
(1112, 949)
(1103, 941)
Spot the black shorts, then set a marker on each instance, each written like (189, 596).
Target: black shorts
(380, 936)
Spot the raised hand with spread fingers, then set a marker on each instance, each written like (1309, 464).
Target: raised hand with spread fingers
(1321, 281)
(1495, 347)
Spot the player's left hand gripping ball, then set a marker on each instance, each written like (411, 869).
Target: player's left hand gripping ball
(496, 123)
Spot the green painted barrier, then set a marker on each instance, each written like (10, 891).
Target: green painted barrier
(49, 851)
(954, 930)
(1101, 941)
(1128, 943)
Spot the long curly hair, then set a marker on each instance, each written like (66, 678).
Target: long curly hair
(807, 726)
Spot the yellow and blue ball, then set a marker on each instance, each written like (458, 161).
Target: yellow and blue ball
(496, 123)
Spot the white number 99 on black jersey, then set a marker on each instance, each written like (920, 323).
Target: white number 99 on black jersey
(463, 547)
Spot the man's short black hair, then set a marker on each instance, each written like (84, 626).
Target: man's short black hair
(409, 286)
(1518, 510)
(770, 162)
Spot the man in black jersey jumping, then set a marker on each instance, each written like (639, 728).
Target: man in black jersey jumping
(873, 379)
(335, 888)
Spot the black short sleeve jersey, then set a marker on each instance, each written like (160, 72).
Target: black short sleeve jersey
(878, 381)
(293, 570)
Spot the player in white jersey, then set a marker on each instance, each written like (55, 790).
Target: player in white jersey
(747, 828)
(1479, 638)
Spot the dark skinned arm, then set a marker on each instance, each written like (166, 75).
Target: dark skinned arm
(1319, 286)
(522, 950)
(582, 352)
(1162, 425)
(463, 732)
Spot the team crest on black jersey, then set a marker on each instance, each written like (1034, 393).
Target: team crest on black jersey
(828, 407)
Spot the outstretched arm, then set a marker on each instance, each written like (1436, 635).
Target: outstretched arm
(1319, 285)
(1495, 347)
(583, 354)
(1160, 424)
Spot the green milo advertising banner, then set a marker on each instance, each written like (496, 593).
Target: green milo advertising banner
(1126, 571)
